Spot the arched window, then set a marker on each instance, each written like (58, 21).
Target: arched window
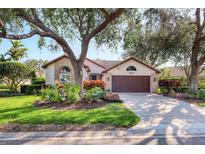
(65, 75)
(131, 68)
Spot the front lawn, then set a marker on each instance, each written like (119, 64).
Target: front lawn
(20, 110)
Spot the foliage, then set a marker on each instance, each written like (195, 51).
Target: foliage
(162, 90)
(94, 94)
(16, 52)
(71, 93)
(13, 74)
(170, 83)
(3, 86)
(165, 73)
(155, 39)
(21, 111)
(30, 89)
(183, 80)
(110, 97)
(61, 93)
(199, 94)
(182, 89)
(36, 65)
(89, 84)
(51, 94)
(38, 81)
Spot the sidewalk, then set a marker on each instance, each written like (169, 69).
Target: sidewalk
(99, 137)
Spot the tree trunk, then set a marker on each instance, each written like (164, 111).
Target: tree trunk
(78, 74)
(193, 79)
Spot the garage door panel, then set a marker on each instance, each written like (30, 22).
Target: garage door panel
(130, 83)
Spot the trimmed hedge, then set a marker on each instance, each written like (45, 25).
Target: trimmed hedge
(89, 84)
(30, 89)
(38, 81)
(3, 86)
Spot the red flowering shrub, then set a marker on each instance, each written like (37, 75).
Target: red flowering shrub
(88, 84)
(170, 83)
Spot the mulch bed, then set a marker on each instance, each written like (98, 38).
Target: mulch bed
(70, 106)
(184, 97)
(54, 127)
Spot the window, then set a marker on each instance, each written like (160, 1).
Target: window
(108, 79)
(131, 68)
(93, 76)
(65, 75)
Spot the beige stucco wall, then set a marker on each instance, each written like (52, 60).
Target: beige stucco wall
(142, 70)
(49, 74)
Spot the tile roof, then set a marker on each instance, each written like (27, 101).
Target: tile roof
(107, 63)
(177, 72)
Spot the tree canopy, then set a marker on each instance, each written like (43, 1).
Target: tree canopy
(159, 36)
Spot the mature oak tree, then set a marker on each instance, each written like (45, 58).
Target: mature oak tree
(62, 26)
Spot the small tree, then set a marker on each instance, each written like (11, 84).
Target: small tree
(14, 74)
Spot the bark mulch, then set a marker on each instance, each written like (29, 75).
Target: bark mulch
(70, 106)
(54, 127)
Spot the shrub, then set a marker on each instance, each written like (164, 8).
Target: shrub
(3, 86)
(170, 83)
(112, 97)
(30, 89)
(58, 93)
(51, 94)
(199, 94)
(182, 90)
(38, 81)
(162, 91)
(94, 94)
(89, 84)
(71, 93)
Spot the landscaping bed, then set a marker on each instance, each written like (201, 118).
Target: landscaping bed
(74, 106)
(54, 127)
(186, 98)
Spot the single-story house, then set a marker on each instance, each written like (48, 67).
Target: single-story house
(129, 75)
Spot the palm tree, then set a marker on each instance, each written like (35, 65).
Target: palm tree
(2, 58)
(17, 51)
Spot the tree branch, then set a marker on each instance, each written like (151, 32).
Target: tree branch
(24, 36)
(97, 30)
(198, 19)
(62, 42)
(35, 15)
(104, 11)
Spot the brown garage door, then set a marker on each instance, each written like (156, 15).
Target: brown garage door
(130, 83)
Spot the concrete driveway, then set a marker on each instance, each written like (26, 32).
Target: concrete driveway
(165, 116)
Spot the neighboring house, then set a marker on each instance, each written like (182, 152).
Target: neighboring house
(129, 75)
(179, 72)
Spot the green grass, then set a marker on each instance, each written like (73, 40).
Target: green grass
(20, 109)
(202, 104)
